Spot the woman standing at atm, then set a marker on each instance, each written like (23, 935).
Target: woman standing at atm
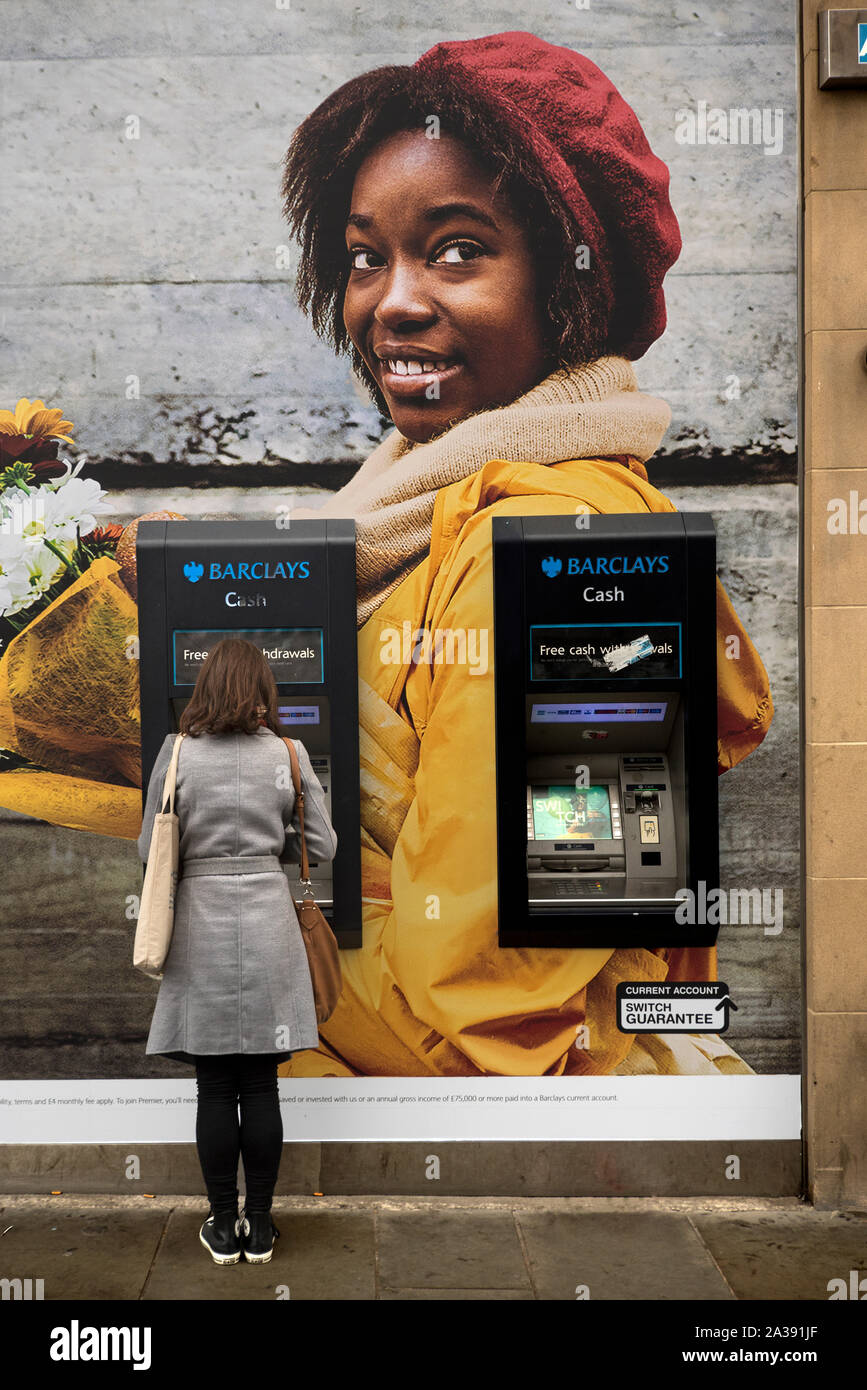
(486, 232)
(236, 996)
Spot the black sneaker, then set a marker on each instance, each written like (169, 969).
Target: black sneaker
(258, 1234)
(221, 1235)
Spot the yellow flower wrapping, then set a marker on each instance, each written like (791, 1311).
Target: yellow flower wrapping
(69, 701)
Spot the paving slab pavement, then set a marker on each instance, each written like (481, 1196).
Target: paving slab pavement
(786, 1254)
(407, 1248)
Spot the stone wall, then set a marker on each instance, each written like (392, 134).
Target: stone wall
(835, 630)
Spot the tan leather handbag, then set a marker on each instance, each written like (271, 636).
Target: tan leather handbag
(156, 914)
(323, 952)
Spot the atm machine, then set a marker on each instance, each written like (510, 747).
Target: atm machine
(292, 592)
(606, 727)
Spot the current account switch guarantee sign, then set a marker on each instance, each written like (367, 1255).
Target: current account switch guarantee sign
(689, 1006)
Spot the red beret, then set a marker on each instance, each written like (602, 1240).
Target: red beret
(575, 123)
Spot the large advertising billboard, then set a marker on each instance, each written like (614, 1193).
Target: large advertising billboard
(505, 262)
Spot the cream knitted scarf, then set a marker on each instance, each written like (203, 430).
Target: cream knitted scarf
(595, 411)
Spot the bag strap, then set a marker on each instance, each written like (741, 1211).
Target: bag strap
(171, 777)
(299, 801)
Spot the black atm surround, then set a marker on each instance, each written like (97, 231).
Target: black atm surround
(169, 602)
(527, 594)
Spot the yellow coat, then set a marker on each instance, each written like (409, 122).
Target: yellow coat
(431, 992)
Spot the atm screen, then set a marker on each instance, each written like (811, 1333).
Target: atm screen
(296, 655)
(571, 813)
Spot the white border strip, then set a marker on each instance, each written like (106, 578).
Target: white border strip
(442, 1109)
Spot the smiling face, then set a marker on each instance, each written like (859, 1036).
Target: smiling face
(441, 300)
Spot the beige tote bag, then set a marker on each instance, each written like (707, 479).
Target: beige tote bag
(156, 915)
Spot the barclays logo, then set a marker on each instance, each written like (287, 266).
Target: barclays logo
(247, 569)
(619, 564)
(607, 564)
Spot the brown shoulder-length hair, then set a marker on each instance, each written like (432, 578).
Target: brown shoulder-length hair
(233, 680)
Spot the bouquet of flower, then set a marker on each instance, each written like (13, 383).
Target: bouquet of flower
(70, 750)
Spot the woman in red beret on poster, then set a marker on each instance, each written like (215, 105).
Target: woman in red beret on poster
(486, 233)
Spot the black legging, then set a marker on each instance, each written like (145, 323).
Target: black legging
(223, 1082)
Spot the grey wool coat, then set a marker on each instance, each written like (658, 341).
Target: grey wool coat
(236, 977)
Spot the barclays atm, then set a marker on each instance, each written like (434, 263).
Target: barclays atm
(606, 727)
(292, 593)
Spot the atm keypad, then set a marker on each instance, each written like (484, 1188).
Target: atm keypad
(567, 887)
(571, 888)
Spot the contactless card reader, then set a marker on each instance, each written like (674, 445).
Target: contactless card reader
(606, 738)
(292, 593)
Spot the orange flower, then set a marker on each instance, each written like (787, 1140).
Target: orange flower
(34, 419)
(112, 532)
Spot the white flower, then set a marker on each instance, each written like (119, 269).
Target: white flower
(70, 471)
(24, 516)
(29, 581)
(75, 503)
(12, 550)
(51, 513)
(46, 512)
(14, 575)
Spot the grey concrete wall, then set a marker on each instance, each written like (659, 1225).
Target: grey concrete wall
(161, 258)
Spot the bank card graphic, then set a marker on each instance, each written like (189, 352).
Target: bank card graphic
(627, 655)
